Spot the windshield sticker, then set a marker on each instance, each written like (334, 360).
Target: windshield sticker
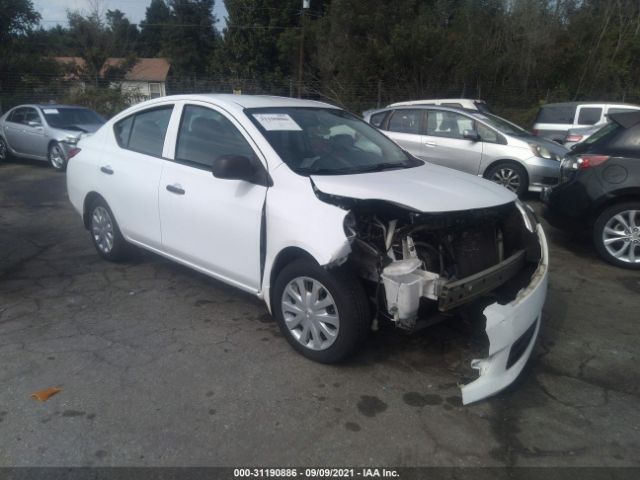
(50, 110)
(276, 121)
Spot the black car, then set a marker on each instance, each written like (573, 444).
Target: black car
(599, 190)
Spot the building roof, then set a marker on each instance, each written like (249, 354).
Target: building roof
(144, 70)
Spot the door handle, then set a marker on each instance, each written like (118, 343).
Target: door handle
(429, 143)
(175, 189)
(106, 169)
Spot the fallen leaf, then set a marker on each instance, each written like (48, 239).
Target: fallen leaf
(44, 395)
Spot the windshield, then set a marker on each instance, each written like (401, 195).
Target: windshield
(502, 125)
(327, 141)
(71, 117)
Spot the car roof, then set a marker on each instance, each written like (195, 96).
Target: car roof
(249, 101)
(470, 111)
(596, 102)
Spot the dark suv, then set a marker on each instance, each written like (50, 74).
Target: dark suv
(600, 190)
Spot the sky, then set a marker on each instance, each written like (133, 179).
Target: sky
(54, 11)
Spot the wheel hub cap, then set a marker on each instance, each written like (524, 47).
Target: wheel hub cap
(508, 178)
(310, 313)
(102, 229)
(621, 236)
(56, 157)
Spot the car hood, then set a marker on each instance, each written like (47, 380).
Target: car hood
(427, 188)
(79, 128)
(550, 145)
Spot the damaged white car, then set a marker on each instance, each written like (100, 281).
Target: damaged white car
(320, 215)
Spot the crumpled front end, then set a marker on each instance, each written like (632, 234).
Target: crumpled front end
(512, 330)
(419, 268)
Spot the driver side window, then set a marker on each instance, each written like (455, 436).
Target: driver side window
(205, 135)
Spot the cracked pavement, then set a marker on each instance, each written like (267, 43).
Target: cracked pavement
(163, 366)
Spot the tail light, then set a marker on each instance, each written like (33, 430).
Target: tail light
(573, 138)
(72, 153)
(588, 161)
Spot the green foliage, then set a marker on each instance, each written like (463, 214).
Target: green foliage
(154, 29)
(106, 101)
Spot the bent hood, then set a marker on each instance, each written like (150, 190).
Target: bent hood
(428, 188)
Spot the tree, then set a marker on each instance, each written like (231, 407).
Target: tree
(154, 29)
(19, 64)
(124, 34)
(192, 37)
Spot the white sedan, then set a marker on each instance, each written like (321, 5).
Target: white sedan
(320, 215)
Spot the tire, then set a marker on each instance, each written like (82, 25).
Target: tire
(57, 158)
(339, 296)
(105, 233)
(510, 175)
(619, 221)
(4, 150)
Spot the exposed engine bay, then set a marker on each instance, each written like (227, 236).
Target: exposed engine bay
(430, 262)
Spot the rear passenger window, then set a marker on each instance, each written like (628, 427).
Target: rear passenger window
(405, 121)
(377, 119)
(205, 135)
(144, 132)
(589, 115)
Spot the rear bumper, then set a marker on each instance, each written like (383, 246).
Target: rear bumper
(512, 330)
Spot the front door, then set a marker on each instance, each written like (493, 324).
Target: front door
(211, 223)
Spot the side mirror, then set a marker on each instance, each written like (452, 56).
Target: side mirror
(471, 135)
(33, 123)
(234, 167)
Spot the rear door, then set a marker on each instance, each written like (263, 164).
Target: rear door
(211, 223)
(13, 127)
(445, 144)
(404, 127)
(129, 173)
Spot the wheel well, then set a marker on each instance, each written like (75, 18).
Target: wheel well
(88, 200)
(51, 142)
(628, 197)
(284, 258)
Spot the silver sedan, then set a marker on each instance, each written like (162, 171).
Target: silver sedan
(45, 132)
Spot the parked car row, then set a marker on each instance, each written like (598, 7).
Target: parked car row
(336, 223)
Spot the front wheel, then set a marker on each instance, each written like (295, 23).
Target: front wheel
(324, 315)
(616, 234)
(57, 158)
(510, 175)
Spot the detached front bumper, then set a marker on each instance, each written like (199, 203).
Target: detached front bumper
(512, 330)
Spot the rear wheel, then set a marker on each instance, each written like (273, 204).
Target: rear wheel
(324, 315)
(510, 175)
(616, 234)
(57, 158)
(105, 234)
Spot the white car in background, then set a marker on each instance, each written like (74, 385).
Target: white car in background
(467, 103)
(321, 216)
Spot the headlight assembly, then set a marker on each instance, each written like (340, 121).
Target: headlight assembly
(542, 152)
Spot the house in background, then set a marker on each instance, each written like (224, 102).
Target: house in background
(146, 79)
